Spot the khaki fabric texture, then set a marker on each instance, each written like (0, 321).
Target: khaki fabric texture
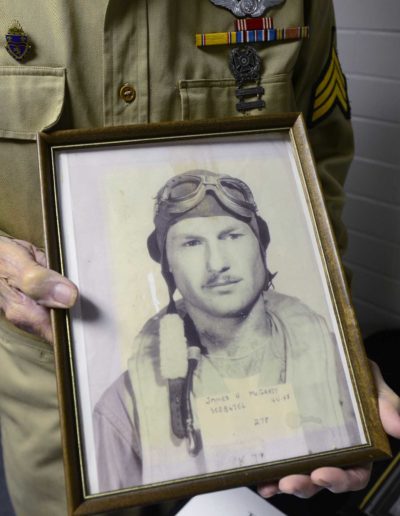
(82, 52)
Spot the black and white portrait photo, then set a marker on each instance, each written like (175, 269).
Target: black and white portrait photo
(212, 341)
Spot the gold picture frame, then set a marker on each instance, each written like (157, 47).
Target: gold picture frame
(121, 442)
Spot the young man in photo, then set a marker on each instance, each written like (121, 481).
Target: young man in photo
(230, 333)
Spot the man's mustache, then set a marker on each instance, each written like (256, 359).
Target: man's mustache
(217, 280)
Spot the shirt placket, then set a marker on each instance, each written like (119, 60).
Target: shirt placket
(126, 93)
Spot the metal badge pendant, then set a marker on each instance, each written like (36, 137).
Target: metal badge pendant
(18, 44)
(245, 65)
(253, 8)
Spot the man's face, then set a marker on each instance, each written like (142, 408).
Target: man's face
(216, 263)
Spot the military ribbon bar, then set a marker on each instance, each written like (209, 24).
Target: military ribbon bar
(251, 36)
(254, 23)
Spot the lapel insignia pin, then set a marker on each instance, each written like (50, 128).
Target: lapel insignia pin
(18, 44)
(245, 65)
(241, 8)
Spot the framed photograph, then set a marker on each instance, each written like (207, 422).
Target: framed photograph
(213, 343)
(384, 497)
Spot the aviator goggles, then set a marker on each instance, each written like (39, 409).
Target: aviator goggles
(184, 192)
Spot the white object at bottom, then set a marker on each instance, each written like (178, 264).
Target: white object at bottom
(232, 502)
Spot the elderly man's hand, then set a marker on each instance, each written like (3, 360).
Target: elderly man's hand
(28, 289)
(335, 479)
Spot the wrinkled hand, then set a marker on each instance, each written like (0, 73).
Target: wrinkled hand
(28, 289)
(341, 480)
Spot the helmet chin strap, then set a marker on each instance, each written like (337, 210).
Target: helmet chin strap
(180, 351)
(192, 434)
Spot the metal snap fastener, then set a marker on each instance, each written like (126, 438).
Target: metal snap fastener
(127, 93)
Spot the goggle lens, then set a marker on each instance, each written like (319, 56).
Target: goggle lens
(235, 191)
(183, 189)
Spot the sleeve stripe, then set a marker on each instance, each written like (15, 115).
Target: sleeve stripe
(330, 90)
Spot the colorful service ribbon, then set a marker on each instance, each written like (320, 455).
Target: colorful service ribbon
(254, 23)
(251, 36)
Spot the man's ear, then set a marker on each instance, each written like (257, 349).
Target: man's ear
(152, 246)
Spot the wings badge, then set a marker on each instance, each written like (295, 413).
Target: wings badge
(241, 8)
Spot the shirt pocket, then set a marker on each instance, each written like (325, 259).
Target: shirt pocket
(31, 100)
(209, 98)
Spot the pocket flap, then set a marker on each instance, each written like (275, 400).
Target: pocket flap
(31, 100)
(210, 98)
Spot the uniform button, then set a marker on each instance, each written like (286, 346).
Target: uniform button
(127, 93)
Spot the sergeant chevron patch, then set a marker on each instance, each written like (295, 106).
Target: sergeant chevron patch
(329, 91)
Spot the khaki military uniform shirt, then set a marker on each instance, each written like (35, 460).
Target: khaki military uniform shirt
(83, 51)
